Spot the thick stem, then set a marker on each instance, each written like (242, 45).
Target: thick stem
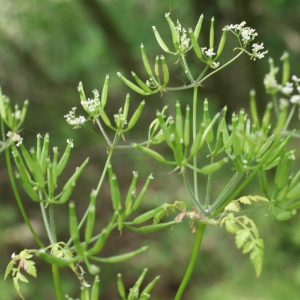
(56, 279)
(191, 265)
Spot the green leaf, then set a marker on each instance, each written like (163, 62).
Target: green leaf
(249, 246)
(17, 287)
(8, 268)
(231, 226)
(241, 237)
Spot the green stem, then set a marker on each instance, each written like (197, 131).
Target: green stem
(186, 68)
(275, 103)
(46, 223)
(218, 69)
(19, 201)
(52, 222)
(191, 265)
(208, 187)
(56, 279)
(194, 137)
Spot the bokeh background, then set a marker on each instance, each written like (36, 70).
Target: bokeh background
(47, 47)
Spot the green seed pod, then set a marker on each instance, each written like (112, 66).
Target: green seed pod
(126, 107)
(165, 70)
(263, 181)
(198, 27)
(135, 116)
(186, 132)
(137, 285)
(262, 148)
(132, 85)
(90, 222)
(64, 159)
(121, 257)
(282, 172)
(29, 190)
(282, 193)
(81, 92)
(131, 194)
(267, 117)
(104, 91)
(2, 106)
(72, 180)
(282, 117)
(221, 45)
(150, 152)
(293, 206)
(197, 143)
(209, 169)
(104, 117)
(114, 188)
(196, 45)
(103, 236)
(149, 287)
(165, 129)
(74, 230)
(156, 69)
(53, 260)
(121, 288)
(285, 68)
(142, 193)
(152, 228)
(95, 289)
(212, 33)
(174, 31)
(26, 156)
(44, 154)
(37, 170)
(176, 144)
(295, 179)
(237, 142)
(253, 109)
(141, 83)
(51, 181)
(294, 193)
(20, 164)
(146, 62)
(179, 122)
(285, 215)
(160, 41)
(207, 120)
(148, 215)
(38, 147)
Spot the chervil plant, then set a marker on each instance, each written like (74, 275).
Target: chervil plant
(246, 147)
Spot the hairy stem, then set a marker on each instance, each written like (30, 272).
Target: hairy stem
(191, 265)
(56, 279)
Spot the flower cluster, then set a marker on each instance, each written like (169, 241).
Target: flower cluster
(247, 35)
(73, 120)
(184, 40)
(209, 52)
(91, 105)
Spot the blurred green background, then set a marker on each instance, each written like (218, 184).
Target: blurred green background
(47, 47)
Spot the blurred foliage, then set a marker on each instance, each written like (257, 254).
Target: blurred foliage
(47, 47)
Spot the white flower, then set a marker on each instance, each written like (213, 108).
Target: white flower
(70, 142)
(73, 120)
(295, 78)
(248, 34)
(15, 138)
(288, 88)
(255, 51)
(295, 99)
(184, 40)
(283, 103)
(209, 52)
